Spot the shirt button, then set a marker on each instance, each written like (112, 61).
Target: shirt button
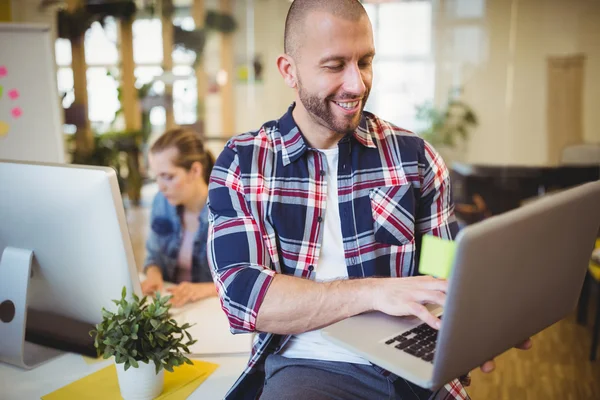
(322, 172)
(320, 219)
(311, 268)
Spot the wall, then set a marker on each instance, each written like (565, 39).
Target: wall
(508, 88)
(267, 99)
(505, 77)
(261, 25)
(27, 11)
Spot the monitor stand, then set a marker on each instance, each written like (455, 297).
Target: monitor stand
(15, 271)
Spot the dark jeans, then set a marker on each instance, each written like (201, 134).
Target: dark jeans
(300, 379)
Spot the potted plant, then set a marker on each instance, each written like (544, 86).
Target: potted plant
(447, 128)
(139, 334)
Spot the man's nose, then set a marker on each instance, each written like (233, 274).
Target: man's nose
(353, 81)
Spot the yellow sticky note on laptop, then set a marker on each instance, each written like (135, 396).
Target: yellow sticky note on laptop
(437, 256)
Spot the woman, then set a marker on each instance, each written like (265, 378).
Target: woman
(176, 246)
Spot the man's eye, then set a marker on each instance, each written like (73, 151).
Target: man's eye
(336, 67)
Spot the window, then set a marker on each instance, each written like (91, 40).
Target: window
(147, 41)
(404, 71)
(102, 58)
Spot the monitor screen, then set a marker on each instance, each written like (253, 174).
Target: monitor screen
(72, 220)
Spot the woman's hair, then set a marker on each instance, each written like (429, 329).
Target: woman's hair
(190, 149)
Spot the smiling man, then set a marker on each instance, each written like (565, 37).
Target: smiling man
(317, 216)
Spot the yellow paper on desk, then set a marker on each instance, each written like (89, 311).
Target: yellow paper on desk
(103, 384)
(437, 256)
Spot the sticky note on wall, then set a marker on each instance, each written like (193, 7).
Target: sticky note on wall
(437, 256)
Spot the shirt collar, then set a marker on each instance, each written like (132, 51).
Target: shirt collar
(293, 144)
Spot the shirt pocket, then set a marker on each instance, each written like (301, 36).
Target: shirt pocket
(393, 209)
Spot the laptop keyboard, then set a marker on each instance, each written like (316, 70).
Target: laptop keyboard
(419, 342)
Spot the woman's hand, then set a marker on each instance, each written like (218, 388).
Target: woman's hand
(187, 292)
(154, 281)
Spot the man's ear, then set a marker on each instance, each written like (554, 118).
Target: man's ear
(287, 69)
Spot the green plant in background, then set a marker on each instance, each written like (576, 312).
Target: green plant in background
(446, 125)
(195, 40)
(73, 24)
(143, 332)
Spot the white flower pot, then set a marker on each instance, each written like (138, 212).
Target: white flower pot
(140, 383)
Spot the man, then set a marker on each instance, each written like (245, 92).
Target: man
(326, 193)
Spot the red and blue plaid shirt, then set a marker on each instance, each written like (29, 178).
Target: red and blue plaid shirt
(267, 195)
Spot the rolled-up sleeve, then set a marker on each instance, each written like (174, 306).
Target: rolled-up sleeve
(436, 209)
(239, 260)
(152, 243)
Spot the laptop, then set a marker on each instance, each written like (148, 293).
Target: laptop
(513, 275)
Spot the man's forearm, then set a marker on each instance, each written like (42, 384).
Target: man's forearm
(294, 305)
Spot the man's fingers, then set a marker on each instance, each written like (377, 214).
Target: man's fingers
(488, 366)
(421, 312)
(431, 283)
(430, 296)
(526, 345)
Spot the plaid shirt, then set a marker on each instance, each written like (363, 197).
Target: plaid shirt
(268, 191)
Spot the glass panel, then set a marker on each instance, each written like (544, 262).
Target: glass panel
(147, 41)
(158, 117)
(185, 100)
(399, 87)
(183, 56)
(146, 74)
(62, 50)
(103, 97)
(64, 77)
(186, 22)
(468, 44)
(404, 29)
(101, 43)
(465, 8)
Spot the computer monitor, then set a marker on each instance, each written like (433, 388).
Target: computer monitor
(65, 254)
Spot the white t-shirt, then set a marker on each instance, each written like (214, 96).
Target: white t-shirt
(331, 266)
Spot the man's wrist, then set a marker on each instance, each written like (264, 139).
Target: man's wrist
(369, 292)
(360, 295)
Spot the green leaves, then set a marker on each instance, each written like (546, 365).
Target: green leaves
(142, 331)
(447, 125)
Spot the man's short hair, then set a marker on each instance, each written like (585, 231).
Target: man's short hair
(300, 9)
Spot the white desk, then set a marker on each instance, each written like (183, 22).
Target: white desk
(16, 383)
(19, 384)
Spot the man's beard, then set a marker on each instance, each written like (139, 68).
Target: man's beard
(320, 110)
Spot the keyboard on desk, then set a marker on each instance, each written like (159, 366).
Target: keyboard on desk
(419, 342)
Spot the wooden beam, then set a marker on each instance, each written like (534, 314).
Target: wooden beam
(84, 139)
(129, 99)
(167, 35)
(5, 11)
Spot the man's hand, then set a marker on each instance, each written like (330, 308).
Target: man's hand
(187, 292)
(154, 281)
(489, 366)
(407, 296)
